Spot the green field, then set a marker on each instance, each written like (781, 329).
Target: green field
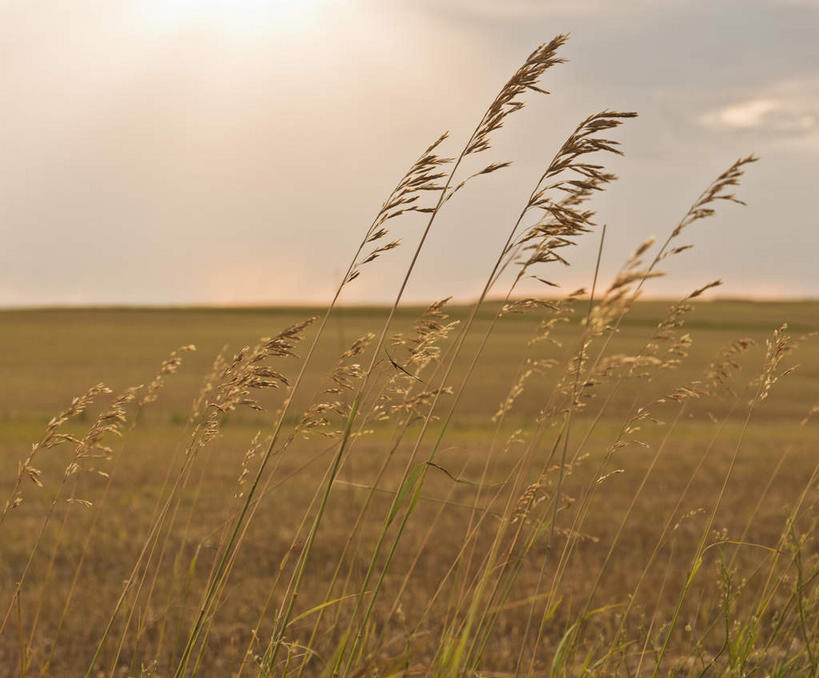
(482, 469)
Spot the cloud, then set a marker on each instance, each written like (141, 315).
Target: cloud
(783, 111)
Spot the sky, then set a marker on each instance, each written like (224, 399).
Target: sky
(234, 151)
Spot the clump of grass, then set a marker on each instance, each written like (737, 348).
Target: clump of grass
(564, 535)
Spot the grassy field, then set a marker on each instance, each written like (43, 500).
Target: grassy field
(553, 486)
(487, 475)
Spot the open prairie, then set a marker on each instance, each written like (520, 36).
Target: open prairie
(553, 475)
(657, 483)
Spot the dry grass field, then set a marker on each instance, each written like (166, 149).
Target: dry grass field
(50, 355)
(572, 483)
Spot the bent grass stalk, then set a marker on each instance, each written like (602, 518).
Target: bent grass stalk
(457, 632)
(541, 59)
(508, 247)
(477, 595)
(232, 541)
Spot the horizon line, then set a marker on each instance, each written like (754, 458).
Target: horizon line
(272, 305)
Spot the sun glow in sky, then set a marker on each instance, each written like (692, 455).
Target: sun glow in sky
(243, 16)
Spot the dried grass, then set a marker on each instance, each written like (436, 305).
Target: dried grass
(521, 577)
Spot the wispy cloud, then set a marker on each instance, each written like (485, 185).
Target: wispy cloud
(789, 109)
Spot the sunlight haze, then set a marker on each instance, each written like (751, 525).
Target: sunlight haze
(216, 152)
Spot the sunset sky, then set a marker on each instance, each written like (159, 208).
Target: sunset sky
(234, 151)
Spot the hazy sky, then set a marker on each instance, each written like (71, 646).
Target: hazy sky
(233, 151)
